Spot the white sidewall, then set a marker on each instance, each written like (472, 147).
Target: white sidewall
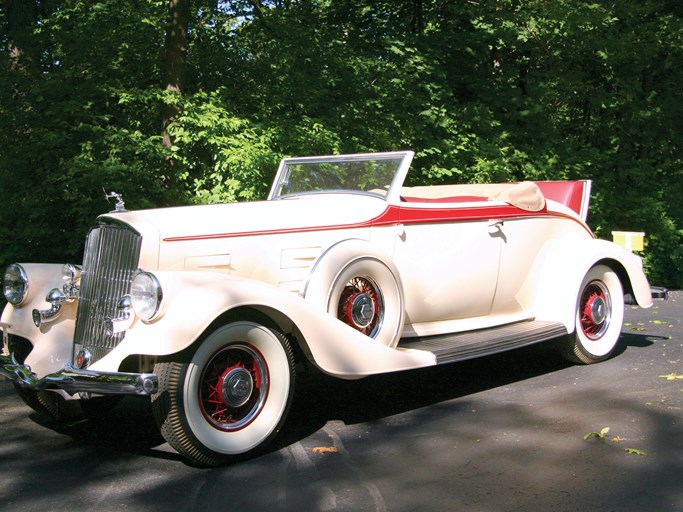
(351, 258)
(391, 297)
(264, 424)
(606, 343)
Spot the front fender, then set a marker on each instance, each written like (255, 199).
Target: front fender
(53, 341)
(193, 300)
(552, 289)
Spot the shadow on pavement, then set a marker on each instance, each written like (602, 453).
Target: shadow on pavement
(129, 427)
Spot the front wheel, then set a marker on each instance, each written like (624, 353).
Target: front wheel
(598, 318)
(231, 398)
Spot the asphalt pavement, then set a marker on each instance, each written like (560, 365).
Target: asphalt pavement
(522, 431)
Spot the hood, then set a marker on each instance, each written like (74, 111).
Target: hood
(308, 212)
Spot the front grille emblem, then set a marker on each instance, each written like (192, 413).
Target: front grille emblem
(83, 359)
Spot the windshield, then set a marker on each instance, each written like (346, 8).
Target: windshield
(368, 174)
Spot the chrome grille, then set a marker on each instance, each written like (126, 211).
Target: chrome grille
(110, 260)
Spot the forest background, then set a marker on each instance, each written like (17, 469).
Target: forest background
(195, 101)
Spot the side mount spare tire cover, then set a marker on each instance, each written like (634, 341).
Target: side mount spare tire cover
(358, 284)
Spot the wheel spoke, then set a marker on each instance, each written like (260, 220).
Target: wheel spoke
(360, 305)
(232, 390)
(595, 310)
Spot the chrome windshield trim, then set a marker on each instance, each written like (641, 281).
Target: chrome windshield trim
(391, 187)
(73, 380)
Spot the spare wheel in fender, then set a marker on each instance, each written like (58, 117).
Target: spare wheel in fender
(359, 285)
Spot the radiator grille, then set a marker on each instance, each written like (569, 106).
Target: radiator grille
(110, 260)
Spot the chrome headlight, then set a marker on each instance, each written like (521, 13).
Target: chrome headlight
(71, 279)
(15, 284)
(147, 296)
(71, 275)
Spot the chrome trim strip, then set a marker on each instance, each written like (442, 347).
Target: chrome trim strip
(73, 380)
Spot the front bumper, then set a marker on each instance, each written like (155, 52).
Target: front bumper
(73, 380)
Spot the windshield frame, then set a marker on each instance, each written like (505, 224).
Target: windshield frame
(393, 187)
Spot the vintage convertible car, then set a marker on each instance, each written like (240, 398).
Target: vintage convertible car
(208, 310)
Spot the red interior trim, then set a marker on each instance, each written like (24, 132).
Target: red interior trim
(454, 199)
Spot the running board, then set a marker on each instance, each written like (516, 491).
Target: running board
(467, 345)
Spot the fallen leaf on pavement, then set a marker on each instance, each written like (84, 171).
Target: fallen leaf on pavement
(325, 449)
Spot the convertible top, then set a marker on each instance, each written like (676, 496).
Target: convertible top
(525, 195)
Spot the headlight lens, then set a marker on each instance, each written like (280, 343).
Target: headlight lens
(15, 284)
(147, 295)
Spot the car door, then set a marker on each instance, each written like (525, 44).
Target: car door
(448, 256)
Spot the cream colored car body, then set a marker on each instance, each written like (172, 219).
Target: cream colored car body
(460, 265)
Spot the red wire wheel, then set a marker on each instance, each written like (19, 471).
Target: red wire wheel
(360, 305)
(234, 387)
(598, 317)
(595, 310)
(230, 398)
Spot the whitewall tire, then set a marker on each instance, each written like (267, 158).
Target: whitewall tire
(357, 283)
(598, 317)
(231, 398)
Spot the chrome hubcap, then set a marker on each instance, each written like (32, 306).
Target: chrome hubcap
(233, 387)
(596, 308)
(598, 312)
(361, 306)
(363, 310)
(237, 387)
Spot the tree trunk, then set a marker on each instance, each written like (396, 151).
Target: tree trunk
(175, 58)
(21, 19)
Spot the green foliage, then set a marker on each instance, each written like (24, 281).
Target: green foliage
(66, 135)
(635, 451)
(482, 91)
(221, 158)
(599, 435)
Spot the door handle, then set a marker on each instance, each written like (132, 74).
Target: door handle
(401, 232)
(496, 229)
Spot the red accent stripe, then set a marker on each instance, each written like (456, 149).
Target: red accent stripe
(282, 231)
(394, 215)
(425, 215)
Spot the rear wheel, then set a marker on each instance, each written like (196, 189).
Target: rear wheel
(598, 318)
(231, 398)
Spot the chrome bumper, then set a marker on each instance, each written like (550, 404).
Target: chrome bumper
(659, 292)
(73, 380)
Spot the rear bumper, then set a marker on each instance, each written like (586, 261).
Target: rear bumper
(659, 292)
(73, 380)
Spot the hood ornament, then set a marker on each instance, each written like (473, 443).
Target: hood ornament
(120, 206)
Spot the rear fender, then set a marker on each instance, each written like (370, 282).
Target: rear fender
(552, 289)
